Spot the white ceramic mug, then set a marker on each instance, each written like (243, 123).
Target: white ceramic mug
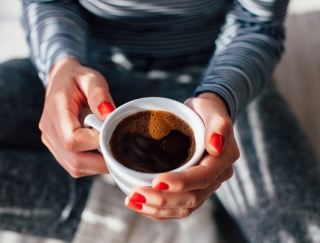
(126, 178)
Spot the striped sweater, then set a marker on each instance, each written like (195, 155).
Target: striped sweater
(247, 35)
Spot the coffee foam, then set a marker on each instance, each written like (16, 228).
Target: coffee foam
(162, 123)
(155, 124)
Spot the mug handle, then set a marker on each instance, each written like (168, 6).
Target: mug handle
(92, 121)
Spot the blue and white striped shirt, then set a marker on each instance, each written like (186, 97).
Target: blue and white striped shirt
(248, 36)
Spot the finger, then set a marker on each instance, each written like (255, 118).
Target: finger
(152, 202)
(161, 200)
(196, 177)
(199, 176)
(218, 125)
(77, 164)
(63, 117)
(49, 144)
(84, 139)
(52, 148)
(167, 213)
(50, 129)
(84, 163)
(161, 206)
(95, 88)
(142, 197)
(159, 212)
(159, 219)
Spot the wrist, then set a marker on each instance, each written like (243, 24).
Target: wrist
(62, 63)
(62, 67)
(216, 98)
(60, 70)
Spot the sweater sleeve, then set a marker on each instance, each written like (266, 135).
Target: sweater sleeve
(247, 50)
(54, 30)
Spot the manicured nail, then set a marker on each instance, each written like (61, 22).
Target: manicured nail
(217, 142)
(105, 108)
(138, 198)
(134, 206)
(161, 186)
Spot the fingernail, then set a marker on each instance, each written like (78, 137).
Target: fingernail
(134, 206)
(217, 142)
(161, 186)
(138, 198)
(105, 108)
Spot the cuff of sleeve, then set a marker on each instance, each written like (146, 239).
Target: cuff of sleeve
(45, 70)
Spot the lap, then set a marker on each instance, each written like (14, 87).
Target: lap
(21, 98)
(273, 194)
(37, 196)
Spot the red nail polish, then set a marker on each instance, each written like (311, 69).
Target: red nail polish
(105, 108)
(134, 206)
(217, 142)
(138, 198)
(161, 186)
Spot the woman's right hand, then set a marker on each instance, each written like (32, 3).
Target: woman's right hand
(71, 89)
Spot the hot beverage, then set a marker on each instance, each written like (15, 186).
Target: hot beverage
(161, 135)
(152, 141)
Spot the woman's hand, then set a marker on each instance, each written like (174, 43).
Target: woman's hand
(176, 195)
(72, 89)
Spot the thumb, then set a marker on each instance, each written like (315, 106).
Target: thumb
(96, 90)
(218, 126)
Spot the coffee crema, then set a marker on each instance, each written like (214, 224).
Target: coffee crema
(152, 141)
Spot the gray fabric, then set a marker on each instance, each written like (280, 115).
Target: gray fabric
(37, 196)
(107, 220)
(131, 77)
(274, 194)
(238, 29)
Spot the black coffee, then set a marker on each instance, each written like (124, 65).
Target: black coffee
(152, 141)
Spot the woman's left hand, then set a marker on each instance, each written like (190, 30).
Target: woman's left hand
(175, 195)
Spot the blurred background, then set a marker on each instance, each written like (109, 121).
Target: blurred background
(297, 76)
